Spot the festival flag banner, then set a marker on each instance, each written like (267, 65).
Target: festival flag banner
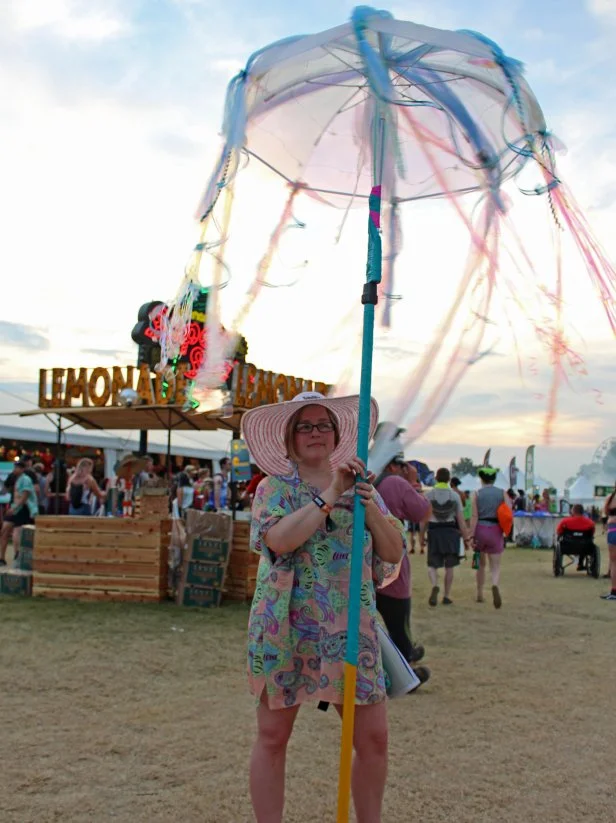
(486, 457)
(530, 469)
(513, 473)
(240, 462)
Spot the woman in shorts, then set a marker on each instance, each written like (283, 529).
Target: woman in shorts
(445, 524)
(610, 512)
(487, 533)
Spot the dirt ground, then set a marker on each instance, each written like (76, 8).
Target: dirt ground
(140, 713)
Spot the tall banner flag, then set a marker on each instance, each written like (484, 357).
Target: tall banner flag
(530, 469)
(486, 457)
(513, 473)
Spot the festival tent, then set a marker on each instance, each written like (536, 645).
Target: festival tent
(468, 483)
(502, 481)
(582, 491)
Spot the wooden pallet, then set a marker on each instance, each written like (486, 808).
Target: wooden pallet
(241, 578)
(96, 558)
(151, 503)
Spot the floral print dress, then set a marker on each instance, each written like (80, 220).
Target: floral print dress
(298, 621)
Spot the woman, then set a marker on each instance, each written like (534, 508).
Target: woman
(302, 527)
(82, 488)
(487, 533)
(186, 489)
(609, 511)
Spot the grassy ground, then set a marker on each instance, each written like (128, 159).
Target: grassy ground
(140, 713)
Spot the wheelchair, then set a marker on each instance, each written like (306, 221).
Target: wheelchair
(580, 545)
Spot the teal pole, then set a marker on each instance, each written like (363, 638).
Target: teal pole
(369, 300)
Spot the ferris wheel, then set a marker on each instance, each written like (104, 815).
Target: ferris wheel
(602, 449)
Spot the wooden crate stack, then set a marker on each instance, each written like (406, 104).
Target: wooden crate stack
(208, 546)
(242, 570)
(103, 558)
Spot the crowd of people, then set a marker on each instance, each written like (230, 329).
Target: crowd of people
(80, 490)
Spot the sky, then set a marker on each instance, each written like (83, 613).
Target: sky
(110, 112)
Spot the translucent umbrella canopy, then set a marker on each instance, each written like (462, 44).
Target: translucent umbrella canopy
(399, 112)
(458, 113)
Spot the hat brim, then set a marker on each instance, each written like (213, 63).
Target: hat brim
(130, 465)
(264, 430)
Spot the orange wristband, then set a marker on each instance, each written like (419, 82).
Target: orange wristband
(325, 507)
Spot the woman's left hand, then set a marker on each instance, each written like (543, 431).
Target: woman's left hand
(367, 492)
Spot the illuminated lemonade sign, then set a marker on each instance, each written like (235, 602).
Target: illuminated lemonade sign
(64, 388)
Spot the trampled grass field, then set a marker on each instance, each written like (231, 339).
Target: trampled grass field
(141, 713)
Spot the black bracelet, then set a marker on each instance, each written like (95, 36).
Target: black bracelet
(325, 507)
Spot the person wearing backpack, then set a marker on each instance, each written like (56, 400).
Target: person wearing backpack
(82, 489)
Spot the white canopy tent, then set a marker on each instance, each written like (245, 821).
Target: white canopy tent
(582, 491)
(468, 483)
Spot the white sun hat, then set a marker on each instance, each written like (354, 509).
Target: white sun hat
(264, 429)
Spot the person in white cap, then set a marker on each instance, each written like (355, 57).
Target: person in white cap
(302, 526)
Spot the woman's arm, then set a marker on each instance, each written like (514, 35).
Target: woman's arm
(608, 503)
(21, 500)
(67, 493)
(387, 541)
(292, 530)
(95, 489)
(424, 525)
(474, 513)
(462, 526)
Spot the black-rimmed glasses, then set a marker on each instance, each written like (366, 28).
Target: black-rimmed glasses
(307, 428)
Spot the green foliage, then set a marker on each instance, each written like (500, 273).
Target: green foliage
(464, 466)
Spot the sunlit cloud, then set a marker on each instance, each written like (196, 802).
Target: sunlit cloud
(77, 20)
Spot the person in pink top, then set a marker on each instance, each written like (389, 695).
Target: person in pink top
(398, 488)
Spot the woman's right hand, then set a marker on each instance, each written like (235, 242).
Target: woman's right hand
(345, 476)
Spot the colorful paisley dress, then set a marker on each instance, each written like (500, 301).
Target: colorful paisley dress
(298, 619)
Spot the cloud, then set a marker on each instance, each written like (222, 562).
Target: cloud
(605, 9)
(22, 336)
(176, 145)
(75, 20)
(116, 354)
(21, 386)
(478, 399)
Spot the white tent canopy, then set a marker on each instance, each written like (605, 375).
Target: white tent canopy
(468, 483)
(471, 483)
(582, 491)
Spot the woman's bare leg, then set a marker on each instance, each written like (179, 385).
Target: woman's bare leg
(481, 575)
(495, 568)
(370, 762)
(267, 763)
(16, 541)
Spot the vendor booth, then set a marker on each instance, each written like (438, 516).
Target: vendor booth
(535, 530)
(127, 558)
